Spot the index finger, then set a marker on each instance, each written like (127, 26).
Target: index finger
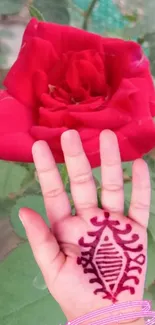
(55, 198)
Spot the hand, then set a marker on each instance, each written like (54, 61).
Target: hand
(97, 257)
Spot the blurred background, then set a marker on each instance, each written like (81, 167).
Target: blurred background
(24, 298)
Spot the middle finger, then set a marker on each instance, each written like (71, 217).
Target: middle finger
(83, 187)
(112, 196)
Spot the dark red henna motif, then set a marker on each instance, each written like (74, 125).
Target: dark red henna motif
(108, 258)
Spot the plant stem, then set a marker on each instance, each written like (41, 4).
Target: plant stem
(88, 14)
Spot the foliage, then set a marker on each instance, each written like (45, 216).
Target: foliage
(34, 12)
(53, 10)
(150, 276)
(22, 286)
(4, 48)
(34, 202)
(11, 177)
(97, 16)
(11, 7)
(25, 300)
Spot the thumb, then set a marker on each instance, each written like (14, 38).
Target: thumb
(44, 245)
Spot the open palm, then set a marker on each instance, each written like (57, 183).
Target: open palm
(97, 257)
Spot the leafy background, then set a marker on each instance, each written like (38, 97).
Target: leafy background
(24, 298)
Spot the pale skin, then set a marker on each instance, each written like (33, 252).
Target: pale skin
(56, 250)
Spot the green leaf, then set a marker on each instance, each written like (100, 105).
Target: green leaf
(34, 12)
(54, 10)
(97, 174)
(11, 178)
(151, 225)
(11, 7)
(23, 303)
(5, 207)
(147, 295)
(131, 18)
(151, 164)
(64, 174)
(99, 198)
(34, 202)
(127, 196)
(150, 275)
(39, 282)
(30, 179)
(127, 167)
(150, 295)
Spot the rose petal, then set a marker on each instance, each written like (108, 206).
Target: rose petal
(131, 101)
(63, 38)
(52, 137)
(31, 30)
(93, 104)
(92, 150)
(89, 137)
(103, 119)
(88, 134)
(86, 68)
(121, 99)
(40, 83)
(14, 117)
(140, 107)
(52, 119)
(123, 59)
(53, 104)
(16, 147)
(45, 133)
(132, 98)
(36, 54)
(152, 107)
(136, 139)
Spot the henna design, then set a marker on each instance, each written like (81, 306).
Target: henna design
(108, 258)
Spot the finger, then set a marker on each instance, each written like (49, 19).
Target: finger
(82, 183)
(112, 196)
(55, 198)
(141, 193)
(44, 245)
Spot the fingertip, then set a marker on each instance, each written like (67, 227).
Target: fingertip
(139, 166)
(23, 214)
(35, 226)
(140, 171)
(107, 135)
(68, 135)
(39, 145)
(140, 162)
(109, 148)
(71, 142)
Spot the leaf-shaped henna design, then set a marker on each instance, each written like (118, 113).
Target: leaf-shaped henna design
(108, 257)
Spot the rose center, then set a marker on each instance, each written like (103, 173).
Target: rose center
(77, 78)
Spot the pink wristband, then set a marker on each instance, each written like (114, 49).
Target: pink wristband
(144, 313)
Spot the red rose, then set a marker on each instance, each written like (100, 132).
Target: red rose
(68, 78)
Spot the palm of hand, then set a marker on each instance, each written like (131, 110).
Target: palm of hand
(95, 258)
(102, 262)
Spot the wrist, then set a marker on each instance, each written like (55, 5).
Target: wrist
(123, 317)
(139, 321)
